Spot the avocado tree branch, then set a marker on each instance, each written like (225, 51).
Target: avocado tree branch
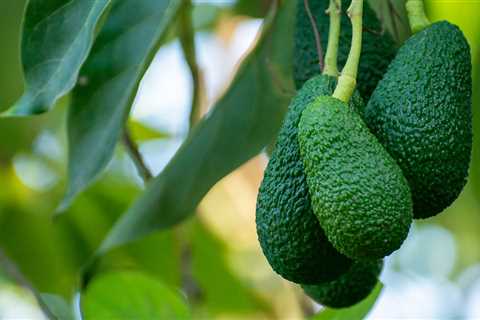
(416, 15)
(331, 56)
(190, 287)
(136, 156)
(187, 40)
(348, 78)
(316, 33)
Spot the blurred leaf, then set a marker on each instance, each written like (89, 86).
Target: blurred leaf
(359, 311)
(108, 83)
(131, 295)
(57, 306)
(141, 132)
(57, 37)
(205, 16)
(243, 121)
(211, 271)
(393, 15)
(11, 82)
(256, 9)
(30, 240)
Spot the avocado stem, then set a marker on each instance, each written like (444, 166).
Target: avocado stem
(334, 11)
(416, 15)
(348, 78)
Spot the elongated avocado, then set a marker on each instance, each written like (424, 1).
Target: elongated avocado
(358, 192)
(289, 234)
(378, 48)
(350, 288)
(421, 113)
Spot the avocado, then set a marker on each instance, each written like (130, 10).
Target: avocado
(378, 47)
(421, 113)
(350, 288)
(358, 192)
(288, 231)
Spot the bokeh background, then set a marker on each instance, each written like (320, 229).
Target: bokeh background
(213, 259)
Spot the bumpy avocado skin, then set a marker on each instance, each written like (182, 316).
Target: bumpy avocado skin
(378, 48)
(421, 113)
(358, 192)
(350, 288)
(288, 231)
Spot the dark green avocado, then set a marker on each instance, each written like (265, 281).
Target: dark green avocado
(358, 192)
(350, 288)
(378, 48)
(421, 113)
(289, 234)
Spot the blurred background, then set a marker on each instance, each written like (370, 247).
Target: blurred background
(212, 259)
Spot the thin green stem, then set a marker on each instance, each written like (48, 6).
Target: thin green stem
(348, 78)
(331, 56)
(416, 15)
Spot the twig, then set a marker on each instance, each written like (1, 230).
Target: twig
(189, 285)
(318, 42)
(187, 40)
(374, 32)
(136, 156)
(14, 273)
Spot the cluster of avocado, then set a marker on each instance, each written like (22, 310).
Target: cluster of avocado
(345, 180)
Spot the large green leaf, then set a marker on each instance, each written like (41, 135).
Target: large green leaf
(132, 295)
(243, 121)
(108, 82)
(357, 312)
(57, 37)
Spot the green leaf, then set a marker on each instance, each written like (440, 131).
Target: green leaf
(141, 132)
(131, 295)
(57, 306)
(108, 83)
(393, 15)
(243, 121)
(359, 311)
(57, 37)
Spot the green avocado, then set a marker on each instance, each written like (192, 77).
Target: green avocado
(350, 288)
(358, 192)
(421, 113)
(288, 231)
(378, 48)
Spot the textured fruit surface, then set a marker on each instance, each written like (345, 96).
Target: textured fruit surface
(358, 192)
(421, 113)
(350, 288)
(287, 229)
(378, 48)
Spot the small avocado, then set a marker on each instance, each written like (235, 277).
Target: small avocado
(350, 288)
(358, 192)
(288, 231)
(378, 47)
(421, 112)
